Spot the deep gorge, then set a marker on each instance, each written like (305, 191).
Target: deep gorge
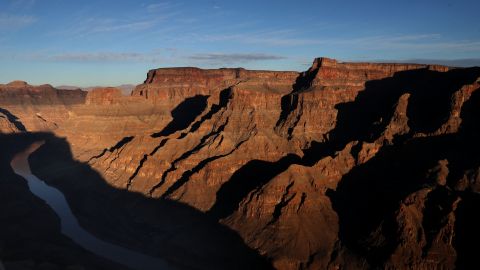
(345, 165)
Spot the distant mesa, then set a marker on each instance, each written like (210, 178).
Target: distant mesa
(125, 89)
(68, 87)
(17, 84)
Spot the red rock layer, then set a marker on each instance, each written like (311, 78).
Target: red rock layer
(103, 96)
(21, 93)
(172, 85)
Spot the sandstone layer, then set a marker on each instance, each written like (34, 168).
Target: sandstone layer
(346, 165)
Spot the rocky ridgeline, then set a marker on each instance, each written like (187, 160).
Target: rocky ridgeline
(350, 165)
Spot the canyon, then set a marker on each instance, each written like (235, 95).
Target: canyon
(343, 166)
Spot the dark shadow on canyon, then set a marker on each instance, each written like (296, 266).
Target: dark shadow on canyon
(365, 118)
(29, 229)
(289, 103)
(184, 114)
(249, 177)
(369, 194)
(467, 221)
(224, 96)
(13, 119)
(428, 107)
(174, 231)
(367, 197)
(43, 95)
(360, 120)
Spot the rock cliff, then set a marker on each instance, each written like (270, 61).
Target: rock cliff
(345, 165)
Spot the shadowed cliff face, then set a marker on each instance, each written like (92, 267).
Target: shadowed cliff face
(183, 115)
(350, 165)
(11, 121)
(180, 234)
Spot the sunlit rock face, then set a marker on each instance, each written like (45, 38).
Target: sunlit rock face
(345, 165)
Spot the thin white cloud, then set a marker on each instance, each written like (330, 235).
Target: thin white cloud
(129, 26)
(466, 62)
(162, 6)
(162, 54)
(231, 58)
(105, 57)
(286, 38)
(22, 4)
(94, 25)
(425, 42)
(15, 22)
(272, 38)
(159, 56)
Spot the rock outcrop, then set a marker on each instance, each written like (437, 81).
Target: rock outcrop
(103, 96)
(346, 165)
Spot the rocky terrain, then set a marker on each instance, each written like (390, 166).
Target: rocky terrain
(343, 166)
(126, 89)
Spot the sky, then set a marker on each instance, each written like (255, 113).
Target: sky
(100, 42)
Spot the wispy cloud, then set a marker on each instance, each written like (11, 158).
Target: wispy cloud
(86, 23)
(107, 26)
(231, 58)
(267, 37)
(105, 57)
(91, 26)
(162, 6)
(423, 42)
(466, 62)
(159, 56)
(15, 22)
(22, 4)
(288, 38)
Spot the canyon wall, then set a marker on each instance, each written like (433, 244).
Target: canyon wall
(346, 165)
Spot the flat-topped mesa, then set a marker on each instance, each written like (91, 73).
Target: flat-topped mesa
(168, 83)
(212, 77)
(328, 72)
(388, 67)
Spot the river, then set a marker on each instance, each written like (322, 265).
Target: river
(69, 223)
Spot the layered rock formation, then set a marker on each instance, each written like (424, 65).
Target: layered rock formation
(346, 165)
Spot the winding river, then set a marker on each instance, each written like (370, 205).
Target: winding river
(69, 223)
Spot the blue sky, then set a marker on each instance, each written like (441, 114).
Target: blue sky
(101, 42)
